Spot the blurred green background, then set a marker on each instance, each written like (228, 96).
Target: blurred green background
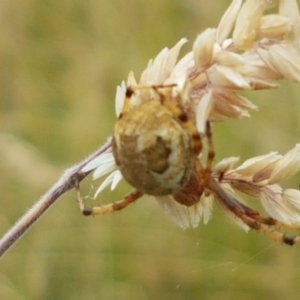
(60, 63)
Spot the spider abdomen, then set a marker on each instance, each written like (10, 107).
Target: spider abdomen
(153, 150)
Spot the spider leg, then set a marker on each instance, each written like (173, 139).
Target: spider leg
(206, 171)
(251, 217)
(273, 222)
(269, 231)
(183, 117)
(100, 210)
(211, 152)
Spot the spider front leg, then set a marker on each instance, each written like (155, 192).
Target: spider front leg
(250, 217)
(110, 207)
(253, 223)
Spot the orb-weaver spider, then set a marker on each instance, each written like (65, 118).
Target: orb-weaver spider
(156, 147)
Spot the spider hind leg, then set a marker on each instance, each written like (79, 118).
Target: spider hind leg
(110, 207)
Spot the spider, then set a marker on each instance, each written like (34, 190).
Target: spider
(156, 147)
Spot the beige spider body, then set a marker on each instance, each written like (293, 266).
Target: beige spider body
(153, 149)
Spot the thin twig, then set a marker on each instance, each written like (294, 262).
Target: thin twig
(65, 183)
